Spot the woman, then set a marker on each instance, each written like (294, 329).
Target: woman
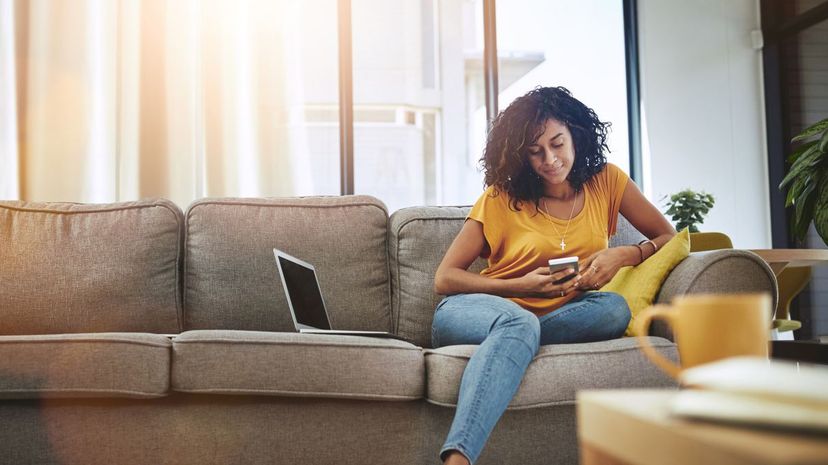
(551, 194)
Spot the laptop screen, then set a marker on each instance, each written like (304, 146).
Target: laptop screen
(303, 293)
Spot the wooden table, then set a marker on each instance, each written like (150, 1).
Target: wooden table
(782, 259)
(779, 259)
(633, 427)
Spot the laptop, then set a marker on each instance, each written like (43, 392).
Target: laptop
(307, 307)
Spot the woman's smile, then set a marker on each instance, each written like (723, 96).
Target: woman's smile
(553, 169)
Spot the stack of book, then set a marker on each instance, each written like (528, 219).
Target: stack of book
(756, 391)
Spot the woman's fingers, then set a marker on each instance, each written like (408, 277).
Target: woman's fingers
(591, 278)
(588, 273)
(561, 274)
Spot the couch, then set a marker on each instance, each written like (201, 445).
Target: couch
(135, 333)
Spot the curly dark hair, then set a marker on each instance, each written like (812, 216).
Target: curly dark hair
(505, 160)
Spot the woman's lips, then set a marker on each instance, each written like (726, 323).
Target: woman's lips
(553, 171)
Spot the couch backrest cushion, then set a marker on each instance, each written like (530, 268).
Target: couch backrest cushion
(72, 268)
(419, 237)
(231, 280)
(625, 234)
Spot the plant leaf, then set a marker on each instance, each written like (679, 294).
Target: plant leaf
(823, 142)
(796, 189)
(803, 212)
(806, 147)
(799, 165)
(801, 223)
(821, 209)
(812, 130)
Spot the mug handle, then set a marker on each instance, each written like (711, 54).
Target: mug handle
(667, 313)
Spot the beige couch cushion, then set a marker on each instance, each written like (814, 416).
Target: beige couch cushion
(84, 365)
(76, 268)
(419, 237)
(557, 372)
(231, 280)
(292, 364)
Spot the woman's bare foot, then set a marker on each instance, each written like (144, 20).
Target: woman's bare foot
(456, 458)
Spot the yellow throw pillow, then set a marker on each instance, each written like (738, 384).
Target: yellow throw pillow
(640, 284)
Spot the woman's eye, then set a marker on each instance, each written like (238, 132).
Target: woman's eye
(558, 146)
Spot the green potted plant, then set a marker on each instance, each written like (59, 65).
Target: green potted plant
(688, 208)
(807, 181)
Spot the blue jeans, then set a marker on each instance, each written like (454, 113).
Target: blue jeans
(509, 337)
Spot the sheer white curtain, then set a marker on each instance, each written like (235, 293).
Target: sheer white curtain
(105, 100)
(9, 166)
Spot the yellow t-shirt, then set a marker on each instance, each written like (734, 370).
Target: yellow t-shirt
(524, 240)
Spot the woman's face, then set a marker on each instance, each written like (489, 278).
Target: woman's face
(553, 153)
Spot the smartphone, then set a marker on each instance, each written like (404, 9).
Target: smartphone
(558, 264)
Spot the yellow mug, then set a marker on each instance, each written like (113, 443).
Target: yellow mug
(709, 327)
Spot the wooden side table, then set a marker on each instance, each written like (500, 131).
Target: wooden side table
(633, 427)
(779, 259)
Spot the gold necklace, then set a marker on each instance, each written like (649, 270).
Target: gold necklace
(551, 221)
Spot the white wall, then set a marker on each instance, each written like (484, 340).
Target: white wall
(701, 87)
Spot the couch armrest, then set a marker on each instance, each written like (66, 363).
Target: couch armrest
(722, 271)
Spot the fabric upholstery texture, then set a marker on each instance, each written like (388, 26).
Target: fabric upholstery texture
(720, 271)
(187, 429)
(419, 237)
(625, 234)
(84, 365)
(184, 429)
(259, 397)
(77, 268)
(293, 364)
(231, 280)
(716, 272)
(545, 435)
(640, 284)
(557, 372)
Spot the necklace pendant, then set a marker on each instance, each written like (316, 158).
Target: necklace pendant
(563, 245)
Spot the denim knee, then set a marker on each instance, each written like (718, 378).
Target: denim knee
(618, 312)
(523, 325)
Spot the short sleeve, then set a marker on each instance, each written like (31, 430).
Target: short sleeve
(616, 181)
(488, 211)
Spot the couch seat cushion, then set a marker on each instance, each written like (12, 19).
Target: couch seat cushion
(557, 372)
(292, 364)
(84, 365)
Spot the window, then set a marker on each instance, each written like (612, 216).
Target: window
(419, 100)
(188, 99)
(410, 68)
(577, 44)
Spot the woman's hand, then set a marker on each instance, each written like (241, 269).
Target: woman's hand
(541, 283)
(601, 267)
